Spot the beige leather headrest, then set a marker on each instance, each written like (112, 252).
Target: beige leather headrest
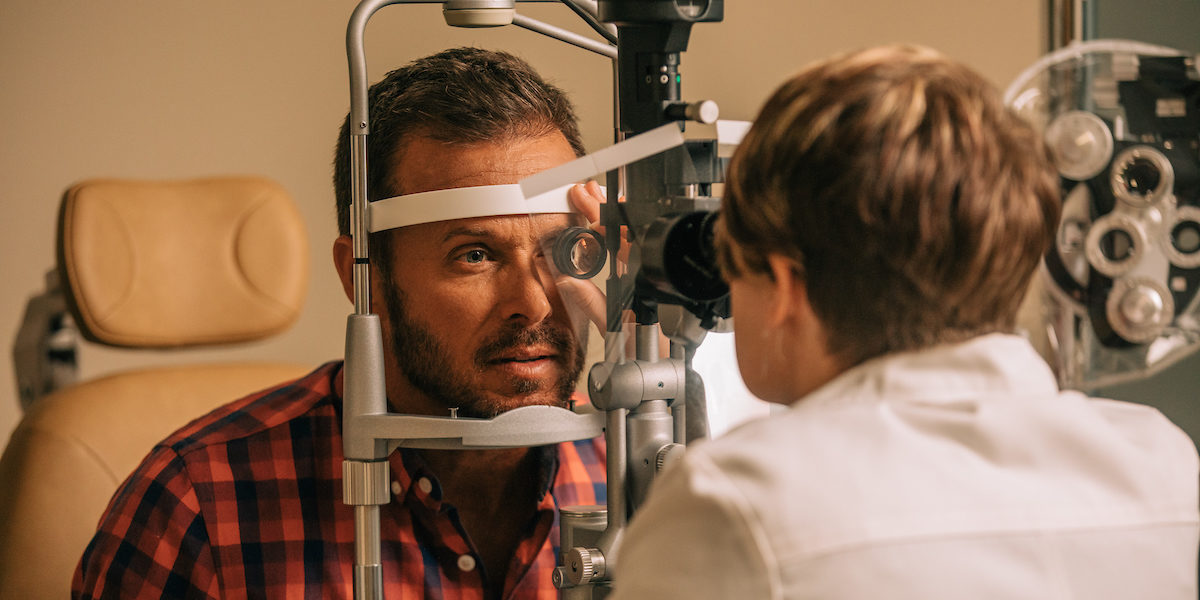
(182, 263)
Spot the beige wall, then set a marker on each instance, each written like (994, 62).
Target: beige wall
(180, 89)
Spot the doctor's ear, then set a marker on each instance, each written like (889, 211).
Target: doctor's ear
(790, 297)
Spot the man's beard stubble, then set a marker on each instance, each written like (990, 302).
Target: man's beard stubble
(423, 359)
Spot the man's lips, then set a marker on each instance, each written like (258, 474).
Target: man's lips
(527, 364)
(527, 355)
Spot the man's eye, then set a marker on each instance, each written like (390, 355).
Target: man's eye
(474, 256)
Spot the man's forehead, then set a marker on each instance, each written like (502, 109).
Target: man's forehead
(425, 164)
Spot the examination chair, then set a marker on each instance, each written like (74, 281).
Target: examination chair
(140, 265)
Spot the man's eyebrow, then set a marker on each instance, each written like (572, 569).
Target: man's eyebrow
(464, 231)
(484, 232)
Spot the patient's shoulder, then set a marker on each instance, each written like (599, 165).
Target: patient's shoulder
(309, 398)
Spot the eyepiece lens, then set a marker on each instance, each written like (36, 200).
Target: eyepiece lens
(579, 252)
(1142, 177)
(1117, 245)
(586, 253)
(1186, 237)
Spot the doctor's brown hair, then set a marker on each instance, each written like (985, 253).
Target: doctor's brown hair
(915, 204)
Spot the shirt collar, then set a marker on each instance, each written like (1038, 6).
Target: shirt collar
(412, 475)
(992, 364)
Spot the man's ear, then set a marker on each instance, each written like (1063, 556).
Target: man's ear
(343, 261)
(790, 295)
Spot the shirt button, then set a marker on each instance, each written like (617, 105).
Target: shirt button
(396, 489)
(466, 562)
(425, 485)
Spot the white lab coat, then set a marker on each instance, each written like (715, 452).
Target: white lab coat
(957, 472)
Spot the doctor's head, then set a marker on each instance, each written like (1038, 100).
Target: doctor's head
(883, 201)
(471, 319)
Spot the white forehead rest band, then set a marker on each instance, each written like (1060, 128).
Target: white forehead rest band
(463, 203)
(547, 190)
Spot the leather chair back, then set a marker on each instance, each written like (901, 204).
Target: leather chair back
(144, 265)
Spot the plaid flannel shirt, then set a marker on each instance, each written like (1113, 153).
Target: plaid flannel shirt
(247, 502)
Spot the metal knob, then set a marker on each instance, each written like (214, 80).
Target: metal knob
(667, 455)
(584, 565)
(1081, 144)
(478, 13)
(704, 111)
(1139, 309)
(1141, 306)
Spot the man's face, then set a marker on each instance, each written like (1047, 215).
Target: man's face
(474, 320)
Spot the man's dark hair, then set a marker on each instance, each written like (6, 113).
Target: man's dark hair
(461, 95)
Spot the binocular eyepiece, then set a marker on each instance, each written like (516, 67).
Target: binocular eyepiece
(679, 260)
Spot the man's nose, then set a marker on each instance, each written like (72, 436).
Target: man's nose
(526, 296)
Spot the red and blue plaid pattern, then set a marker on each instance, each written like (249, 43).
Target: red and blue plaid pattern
(247, 502)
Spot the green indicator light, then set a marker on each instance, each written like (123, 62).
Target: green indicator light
(678, 78)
